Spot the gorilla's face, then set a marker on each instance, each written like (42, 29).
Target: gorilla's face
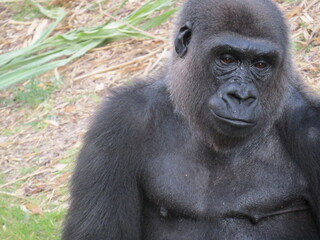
(241, 68)
(227, 84)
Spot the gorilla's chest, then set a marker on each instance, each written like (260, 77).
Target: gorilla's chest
(209, 192)
(200, 188)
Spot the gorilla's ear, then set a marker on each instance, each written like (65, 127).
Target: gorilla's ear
(183, 39)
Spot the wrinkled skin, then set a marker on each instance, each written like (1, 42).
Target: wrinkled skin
(226, 145)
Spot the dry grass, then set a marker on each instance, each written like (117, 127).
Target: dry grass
(45, 138)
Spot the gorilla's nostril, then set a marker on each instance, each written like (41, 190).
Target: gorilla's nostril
(250, 100)
(234, 95)
(241, 98)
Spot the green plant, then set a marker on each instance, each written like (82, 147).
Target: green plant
(53, 52)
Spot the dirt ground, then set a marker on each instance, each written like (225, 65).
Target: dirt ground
(43, 139)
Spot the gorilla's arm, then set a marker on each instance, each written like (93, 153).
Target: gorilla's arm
(301, 131)
(105, 200)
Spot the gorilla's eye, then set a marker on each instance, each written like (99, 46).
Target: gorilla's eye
(260, 65)
(227, 59)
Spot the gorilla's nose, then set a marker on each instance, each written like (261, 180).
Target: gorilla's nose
(234, 103)
(242, 96)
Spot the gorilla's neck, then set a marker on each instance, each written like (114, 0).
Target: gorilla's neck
(210, 138)
(225, 144)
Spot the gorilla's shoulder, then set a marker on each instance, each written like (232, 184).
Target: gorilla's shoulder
(133, 108)
(301, 122)
(303, 109)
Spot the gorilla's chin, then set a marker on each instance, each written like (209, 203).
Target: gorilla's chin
(231, 127)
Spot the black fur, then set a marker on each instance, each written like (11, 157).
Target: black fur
(225, 146)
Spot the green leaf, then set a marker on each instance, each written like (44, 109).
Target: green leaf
(28, 72)
(149, 8)
(52, 27)
(156, 21)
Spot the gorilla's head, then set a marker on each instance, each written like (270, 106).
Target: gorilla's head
(229, 68)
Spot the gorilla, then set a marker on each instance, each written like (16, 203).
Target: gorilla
(225, 145)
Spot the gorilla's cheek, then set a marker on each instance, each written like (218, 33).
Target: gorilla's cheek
(235, 106)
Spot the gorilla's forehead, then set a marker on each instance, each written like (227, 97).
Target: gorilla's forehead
(242, 44)
(259, 19)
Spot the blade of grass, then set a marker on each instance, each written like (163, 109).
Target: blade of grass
(146, 11)
(149, 8)
(54, 13)
(52, 26)
(24, 62)
(27, 72)
(7, 57)
(156, 21)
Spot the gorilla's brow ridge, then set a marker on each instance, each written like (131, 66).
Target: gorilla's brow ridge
(244, 46)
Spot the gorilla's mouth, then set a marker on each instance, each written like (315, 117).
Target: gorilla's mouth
(236, 121)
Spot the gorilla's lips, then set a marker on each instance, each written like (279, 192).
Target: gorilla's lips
(236, 121)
